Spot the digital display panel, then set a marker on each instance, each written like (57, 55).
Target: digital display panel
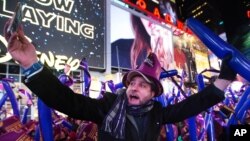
(63, 31)
(134, 36)
(180, 49)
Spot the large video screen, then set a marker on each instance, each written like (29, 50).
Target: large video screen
(63, 31)
(133, 36)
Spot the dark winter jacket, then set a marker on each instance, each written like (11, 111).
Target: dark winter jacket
(57, 96)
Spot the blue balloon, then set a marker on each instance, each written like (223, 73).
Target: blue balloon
(45, 121)
(25, 114)
(233, 119)
(168, 73)
(12, 97)
(37, 134)
(243, 112)
(239, 63)
(68, 125)
(119, 85)
(200, 82)
(2, 100)
(66, 80)
(192, 128)
(111, 86)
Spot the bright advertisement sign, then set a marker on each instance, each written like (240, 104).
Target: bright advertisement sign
(161, 10)
(134, 36)
(63, 31)
(202, 61)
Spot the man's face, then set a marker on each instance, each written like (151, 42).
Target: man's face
(139, 91)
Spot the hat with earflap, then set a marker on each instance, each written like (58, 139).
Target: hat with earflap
(150, 70)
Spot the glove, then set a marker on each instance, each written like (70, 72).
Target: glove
(226, 72)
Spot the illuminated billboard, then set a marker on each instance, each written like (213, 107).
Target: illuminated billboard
(63, 31)
(134, 36)
(160, 10)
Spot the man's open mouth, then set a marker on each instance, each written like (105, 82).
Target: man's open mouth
(133, 97)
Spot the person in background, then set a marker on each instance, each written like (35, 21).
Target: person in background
(179, 56)
(131, 114)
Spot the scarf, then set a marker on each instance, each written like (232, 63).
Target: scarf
(114, 122)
